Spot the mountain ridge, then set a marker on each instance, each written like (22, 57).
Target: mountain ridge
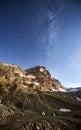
(32, 100)
(37, 78)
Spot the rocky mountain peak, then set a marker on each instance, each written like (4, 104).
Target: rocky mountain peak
(36, 78)
(47, 83)
(38, 70)
(26, 96)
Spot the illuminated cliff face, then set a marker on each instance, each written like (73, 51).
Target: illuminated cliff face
(37, 78)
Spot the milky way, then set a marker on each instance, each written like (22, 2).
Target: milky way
(45, 32)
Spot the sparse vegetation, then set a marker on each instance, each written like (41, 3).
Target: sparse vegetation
(25, 108)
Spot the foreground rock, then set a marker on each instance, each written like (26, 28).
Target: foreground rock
(5, 114)
(33, 100)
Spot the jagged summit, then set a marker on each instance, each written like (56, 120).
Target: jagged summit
(36, 78)
(38, 69)
(47, 83)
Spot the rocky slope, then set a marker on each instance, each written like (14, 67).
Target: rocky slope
(37, 78)
(32, 100)
(44, 79)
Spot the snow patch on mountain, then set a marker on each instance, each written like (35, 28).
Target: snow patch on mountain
(31, 76)
(41, 69)
(64, 110)
(22, 75)
(79, 99)
(53, 89)
(73, 90)
(62, 89)
(28, 76)
(59, 89)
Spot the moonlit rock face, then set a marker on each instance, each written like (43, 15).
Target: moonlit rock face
(29, 76)
(54, 90)
(41, 69)
(79, 99)
(64, 110)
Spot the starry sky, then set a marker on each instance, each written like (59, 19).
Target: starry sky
(43, 32)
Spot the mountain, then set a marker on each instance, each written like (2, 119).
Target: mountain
(36, 78)
(32, 100)
(74, 89)
(43, 77)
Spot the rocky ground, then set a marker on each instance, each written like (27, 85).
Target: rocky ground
(33, 100)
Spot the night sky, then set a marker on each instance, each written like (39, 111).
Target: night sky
(43, 32)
